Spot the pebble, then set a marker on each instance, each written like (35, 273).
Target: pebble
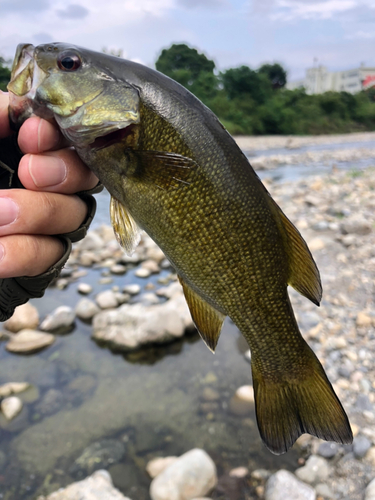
(24, 317)
(106, 299)
(315, 470)
(133, 289)
(157, 465)
(99, 486)
(285, 486)
(13, 388)
(151, 266)
(191, 475)
(370, 456)
(86, 309)
(118, 269)
(242, 403)
(61, 318)
(142, 273)
(361, 445)
(11, 407)
(27, 341)
(92, 241)
(239, 472)
(323, 490)
(328, 449)
(370, 491)
(84, 288)
(105, 281)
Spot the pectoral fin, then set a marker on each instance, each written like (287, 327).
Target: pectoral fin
(165, 170)
(124, 226)
(207, 319)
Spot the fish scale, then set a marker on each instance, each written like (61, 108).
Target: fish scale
(174, 171)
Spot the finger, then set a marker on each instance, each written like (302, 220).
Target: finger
(4, 119)
(37, 135)
(31, 212)
(35, 254)
(57, 171)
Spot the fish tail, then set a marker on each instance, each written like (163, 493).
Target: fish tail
(286, 409)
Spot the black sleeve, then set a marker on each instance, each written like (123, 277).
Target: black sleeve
(17, 291)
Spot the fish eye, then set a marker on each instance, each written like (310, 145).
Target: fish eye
(69, 61)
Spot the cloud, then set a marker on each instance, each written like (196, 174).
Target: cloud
(288, 10)
(192, 4)
(24, 5)
(74, 11)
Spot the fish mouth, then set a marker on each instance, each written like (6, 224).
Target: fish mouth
(26, 76)
(114, 137)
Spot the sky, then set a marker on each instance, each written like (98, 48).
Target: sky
(339, 34)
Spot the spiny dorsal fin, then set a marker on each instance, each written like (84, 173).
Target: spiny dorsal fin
(207, 319)
(303, 273)
(165, 170)
(124, 226)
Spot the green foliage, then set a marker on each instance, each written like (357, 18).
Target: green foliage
(4, 75)
(249, 101)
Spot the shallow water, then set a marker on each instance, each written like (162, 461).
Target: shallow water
(151, 401)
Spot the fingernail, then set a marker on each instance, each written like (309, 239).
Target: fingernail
(47, 170)
(8, 211)
(2, 252)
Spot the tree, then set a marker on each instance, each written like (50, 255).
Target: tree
(244, 82)
(4, 75)
(275, 73)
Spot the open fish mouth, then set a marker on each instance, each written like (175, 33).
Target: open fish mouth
(26, 77)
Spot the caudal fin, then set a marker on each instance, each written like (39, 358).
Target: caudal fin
(285, 410)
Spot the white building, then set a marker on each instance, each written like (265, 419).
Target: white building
(318, 79)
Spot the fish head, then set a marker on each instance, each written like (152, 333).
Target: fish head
(73, 86)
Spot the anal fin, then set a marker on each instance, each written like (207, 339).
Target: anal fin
(124, 226)
(207, 319)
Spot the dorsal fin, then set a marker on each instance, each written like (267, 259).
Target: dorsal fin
(207, 319)
(124, 226)
(303, 273)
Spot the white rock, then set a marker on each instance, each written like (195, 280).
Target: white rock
(242, 403)
(92, 241)
(29, 341)
(285, 486)
(142, 272)
(239, 472)
(118, 269)
(131, 326)
(86, 309)
(11, 407)
(151, 265)
(61, 317)
(133, 289)
(13, 388)
(84, 288)
(157, 465)
(25, 316)
(370, 491)
(106, 300)
(99, 486)
(88, 258)
(316, 470)
(171, 290)
(191, 475)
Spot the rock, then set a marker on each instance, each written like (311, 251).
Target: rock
(86, 309)
(316, 244)
(363, 403)
(370, 491)
(84, 288)
(148, 299)
(284, 485)
(191, 475)
(99, 486)
(132, 326)
(170, 291)
(210, 394)
(370, 456)
(242, 403)
(11, 407)
(323, 490)
(118, 269)
(13, 388)
(27, 341)
(92, 241)
(62, 283)
(87, 258)
(361, 445)
(142, 273)
(61, 318)
(316, 470)
(98, 455)
(157, 465)
(151, 266)
(132, 289)
(239, 472)
(356, 225)
(328, 449)
(364, 319)
(106, 300)
(24, 317)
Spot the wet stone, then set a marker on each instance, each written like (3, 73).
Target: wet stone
(86, 309)
(84, 288)
(27, 341)
(61, 318)
(11, 407)
(157, 465)
(133, 289)
(328, 449)
(24, 317)
(106, 300)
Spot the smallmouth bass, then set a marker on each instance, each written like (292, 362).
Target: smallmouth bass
(174, 171)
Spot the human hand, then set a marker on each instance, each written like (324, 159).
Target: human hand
(51, 174)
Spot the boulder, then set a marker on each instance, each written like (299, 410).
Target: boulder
(192, 475)
(25, 316)
(61, 318)
(99, 486)
(157, 465)
(133, 326)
